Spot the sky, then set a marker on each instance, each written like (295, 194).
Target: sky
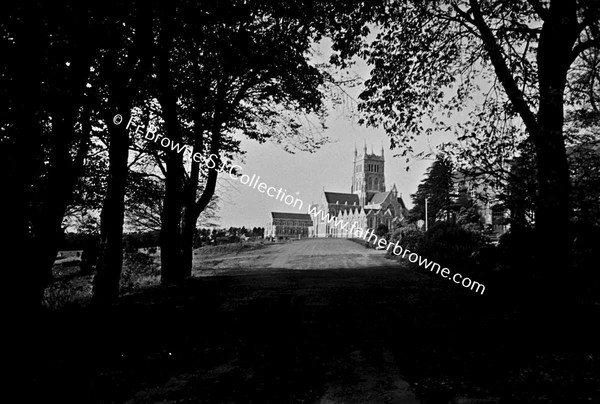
(305, 175)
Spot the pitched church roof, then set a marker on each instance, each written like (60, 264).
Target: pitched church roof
(341, 198)
(378, 197)
(291, 216)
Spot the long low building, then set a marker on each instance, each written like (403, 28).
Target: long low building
(288, 225)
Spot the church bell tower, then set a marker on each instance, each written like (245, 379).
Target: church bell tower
(369, 174)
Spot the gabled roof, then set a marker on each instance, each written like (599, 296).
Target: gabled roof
(351, 210)
(378, 198)
(291, 216)
(341, 198)
(401, 202)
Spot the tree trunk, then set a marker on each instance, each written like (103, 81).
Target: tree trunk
(552, 209)
(170, 232)
(124, 80)
(559, 34)
(187, 241)
(171, 216)
(110, 261)
(190, 215)
(193, 207)
(554, 56)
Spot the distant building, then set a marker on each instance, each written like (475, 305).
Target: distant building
(288, 225)
(477, 188)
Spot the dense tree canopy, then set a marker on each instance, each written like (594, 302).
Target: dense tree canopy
(516, 65)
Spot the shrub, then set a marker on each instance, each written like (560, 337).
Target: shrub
(381, 230)
(140, 269)
(448, 244)
(451, 245)
(412, 239)
(469, 217)
(56, 296)
(409, 237)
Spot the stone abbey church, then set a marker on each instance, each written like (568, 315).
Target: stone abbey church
(366, 206)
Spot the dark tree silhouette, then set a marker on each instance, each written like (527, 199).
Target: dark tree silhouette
(123, 67)
(45, 130)
(437, 188)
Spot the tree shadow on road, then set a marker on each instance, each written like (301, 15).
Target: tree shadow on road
(326, 336)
